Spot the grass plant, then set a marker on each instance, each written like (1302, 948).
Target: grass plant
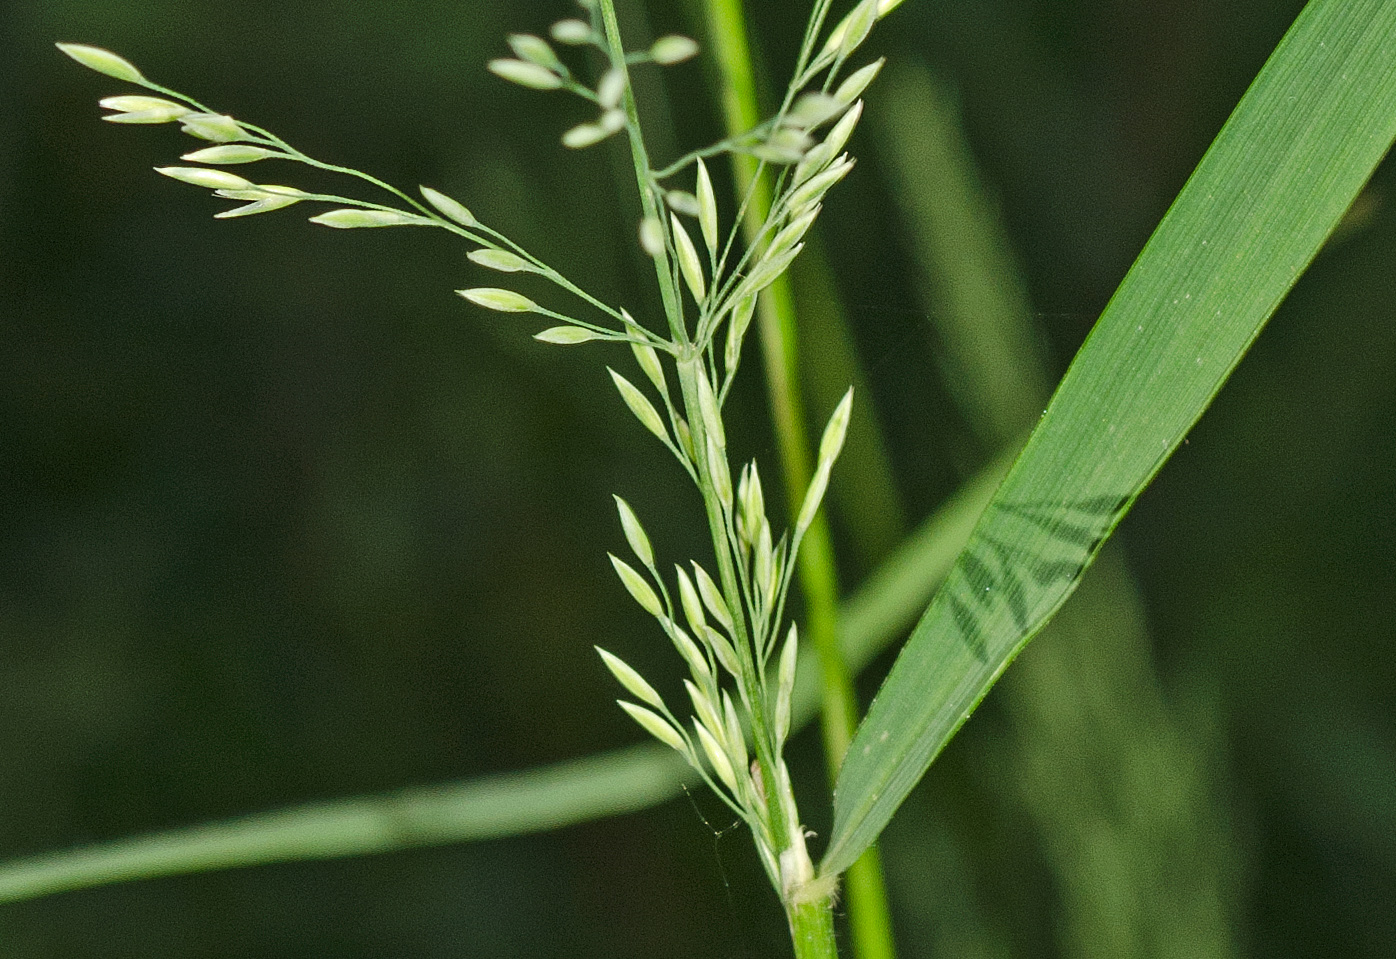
(1314, 124)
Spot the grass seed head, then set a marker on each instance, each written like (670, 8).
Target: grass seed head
(503, 301)
(856, 82)
(611, 88)
(525, 74)
(638, 589)
(139, 109)
(652, 236)
(640, 405)
(635, 533)
(673, 48)
(689, 265)
(707, 208)
(814, 109)
(712, 597)
(572, 32)
(352, 219)
(501, 260)
(657, 727)
(681, 201)
(231, 153)
(692, 606)
(633, 682)
(534, 50)
(717, 758)
(719, 473)
(103, 61)
(567, 335)
(212, 179)
(448, 207)
(705, 710)
(257, 206)
(785, 684)
(212, 126)
(648, 358)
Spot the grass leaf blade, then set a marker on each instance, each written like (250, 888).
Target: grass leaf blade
(1288, 163)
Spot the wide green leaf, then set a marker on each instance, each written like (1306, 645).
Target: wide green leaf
(1271, 188)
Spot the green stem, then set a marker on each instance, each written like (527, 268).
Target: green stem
(673, 304)
(812, 929)
(867, 898)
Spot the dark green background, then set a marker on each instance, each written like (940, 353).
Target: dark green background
(283, 519)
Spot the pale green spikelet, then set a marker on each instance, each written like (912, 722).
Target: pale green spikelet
(258, 206)
(813, 189)
(535, 50)
(785, 684)
(141, 109)
(707, 208)
(572, 32)
(103, 61)
(584, 135)
(652, 236)
(448, 207)
(751, 498)
(705, 709)
(712, 597)
(212, 126)
(672, 49)
(736, 739)
(688, 599)
(633, 682)
(722, 649)
(792, 233)
(712, 415)
(856, 82)
(501, 260)
(681, 201)
(689, 264)
(640, 405)
(829, 446)
(212, 179)
(349, 218)
(657, 727)
(610, 89)
(503, 301)
(722, 766)
(719, 473)
(638, 589)
(635, 533)
(525, 74)
(232, 153)
(693, 656)
(814, 109)
(648, 358)
(568, 335)
(737, 326)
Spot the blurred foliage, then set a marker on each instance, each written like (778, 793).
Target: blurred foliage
(281, 519)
